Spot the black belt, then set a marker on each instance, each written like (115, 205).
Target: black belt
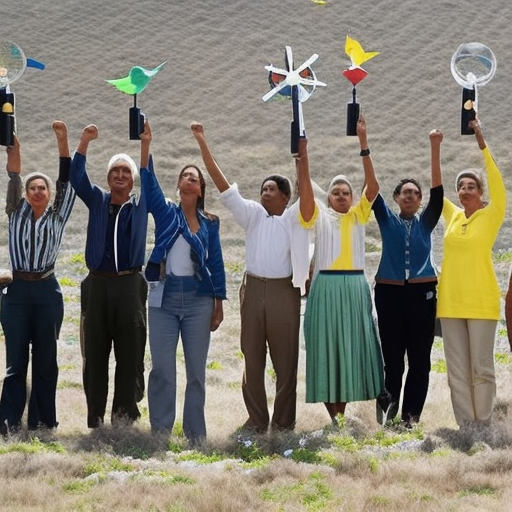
(32, 276)
(110, 275)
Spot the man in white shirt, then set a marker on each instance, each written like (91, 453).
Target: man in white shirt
(277, 264)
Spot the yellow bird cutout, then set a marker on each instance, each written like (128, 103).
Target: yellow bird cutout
(356, 53)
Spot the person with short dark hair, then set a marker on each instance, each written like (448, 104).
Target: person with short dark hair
(32, 306)
(277, 265)
(405, 291)
(114, 293)
(469, 294)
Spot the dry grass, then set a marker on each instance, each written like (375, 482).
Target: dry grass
(215, 74)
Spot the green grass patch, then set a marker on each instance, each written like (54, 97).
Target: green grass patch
(313, 493)
(438, 344)
(169, 478)
(103, 464)
(78, 258)
(502, 256)
(201, 458)
(67, 367)
(214, 365)
(68, 384)
(33, 446)
(272, 373)
(479, 490)
(78, 486)
(382, 438)
(503, 358)
(234, 267)
(66, 281)
(439, 366)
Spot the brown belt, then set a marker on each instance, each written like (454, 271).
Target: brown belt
(110, 275)
(32, 276)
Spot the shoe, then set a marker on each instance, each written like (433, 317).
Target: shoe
(386, 408)
(410, 421)
(250, 428)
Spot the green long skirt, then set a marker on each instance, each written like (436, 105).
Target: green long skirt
(343, 354)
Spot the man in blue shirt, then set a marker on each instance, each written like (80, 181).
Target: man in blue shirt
(113, 295)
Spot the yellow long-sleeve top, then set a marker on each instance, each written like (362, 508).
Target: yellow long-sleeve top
(339, 237)
(468, 287)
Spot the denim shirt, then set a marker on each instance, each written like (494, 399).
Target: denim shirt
(205, 245)
(407, 246)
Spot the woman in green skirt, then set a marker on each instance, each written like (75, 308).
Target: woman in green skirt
(343, 354)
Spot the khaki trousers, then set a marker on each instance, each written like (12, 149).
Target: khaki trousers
(469, 352)
(270, 316)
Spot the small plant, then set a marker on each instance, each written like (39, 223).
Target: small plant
(78, 486)
(169, 478)
(201, 458)
(35, 445)
(78, 258)
(439, 366)
(67, 384)
(502, 358)
(502, 256)
(66, 281)
(102, 464)
(214, 365)
(177, 445)
(480, 490)
(313, 493)
(234, 267)
(248, 450)
(177, 430)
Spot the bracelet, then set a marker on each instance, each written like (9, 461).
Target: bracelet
(365, 152)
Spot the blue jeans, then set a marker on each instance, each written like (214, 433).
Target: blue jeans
(185, 313)
(32, 313)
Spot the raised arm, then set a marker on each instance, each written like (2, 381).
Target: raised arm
(64, 193)
(306, 194)
(479, 136)
(13, 166)
(436, 137)
(61, 134)
(89, 133)
(145, 142)
(14, 157)
(211, 165)
(370, 180)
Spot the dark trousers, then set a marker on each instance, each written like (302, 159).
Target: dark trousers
(32, 313)
(270, 313)
(113, 313)
(406, 317)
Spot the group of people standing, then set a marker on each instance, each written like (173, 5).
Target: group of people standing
(185, 278)
(180, 291)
